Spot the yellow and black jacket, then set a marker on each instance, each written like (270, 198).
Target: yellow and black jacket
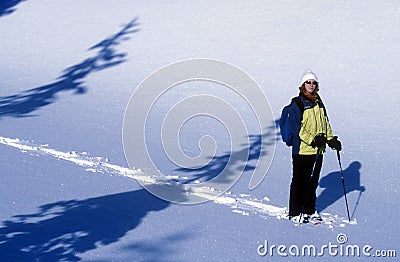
(308, 123)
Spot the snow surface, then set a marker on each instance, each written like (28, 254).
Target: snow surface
(69, 67)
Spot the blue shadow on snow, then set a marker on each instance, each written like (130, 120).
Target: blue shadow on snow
(333, 187)
(219, 163)
(26, 102)
(61, 231)
(7, 7)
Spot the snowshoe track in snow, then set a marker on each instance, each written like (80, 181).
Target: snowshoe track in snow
(242, 204)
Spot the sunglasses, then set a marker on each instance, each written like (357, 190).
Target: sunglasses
(311, 82)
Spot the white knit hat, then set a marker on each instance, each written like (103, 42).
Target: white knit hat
(308, 74)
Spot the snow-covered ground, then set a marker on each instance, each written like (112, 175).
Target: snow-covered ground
(68, 71)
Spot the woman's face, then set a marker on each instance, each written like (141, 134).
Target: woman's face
(310, 85)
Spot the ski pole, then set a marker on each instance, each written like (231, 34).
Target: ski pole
(358, 201)
(309, 185)
(344, 189)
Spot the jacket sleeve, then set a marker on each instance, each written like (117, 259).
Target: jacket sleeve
(309, 125)
(329, 134)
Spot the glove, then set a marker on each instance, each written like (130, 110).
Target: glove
(334, 143)
(319, 141)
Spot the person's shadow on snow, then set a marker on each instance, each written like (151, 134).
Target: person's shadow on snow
(63, 230)
(333, 187)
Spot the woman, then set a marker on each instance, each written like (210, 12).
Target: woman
(312, 132)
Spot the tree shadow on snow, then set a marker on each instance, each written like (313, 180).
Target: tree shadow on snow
(151, 249)
(333, 187)
(63, 230)
(235, 159)
(8, 6)
(26, 102)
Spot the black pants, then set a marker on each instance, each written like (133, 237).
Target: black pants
(302, 169)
